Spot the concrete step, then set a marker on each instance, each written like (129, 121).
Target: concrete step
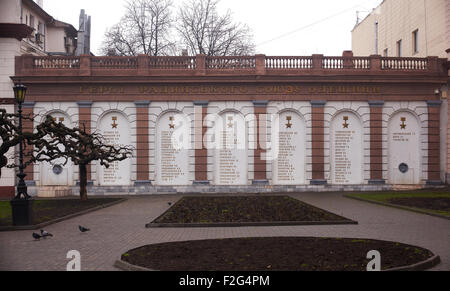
(54, 191)
(406, 187)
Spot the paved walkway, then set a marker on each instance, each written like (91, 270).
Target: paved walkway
(122, 227)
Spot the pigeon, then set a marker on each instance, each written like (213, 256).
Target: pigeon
(45, 234)
(83, 229)
(36, 236)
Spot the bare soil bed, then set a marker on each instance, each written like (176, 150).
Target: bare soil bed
(274, 254)
(244, 209)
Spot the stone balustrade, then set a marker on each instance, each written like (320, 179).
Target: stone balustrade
(86, 65)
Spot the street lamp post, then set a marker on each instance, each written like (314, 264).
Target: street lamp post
(22, 212)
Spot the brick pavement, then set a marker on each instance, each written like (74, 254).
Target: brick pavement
(122, 227)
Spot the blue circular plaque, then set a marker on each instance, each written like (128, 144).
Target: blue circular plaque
(404, 168)
(57, 169)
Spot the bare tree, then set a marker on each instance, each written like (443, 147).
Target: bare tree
(80, 147)
(204, 31)
(9, 135)
(144, 29)
(36, 147)
(53, 140)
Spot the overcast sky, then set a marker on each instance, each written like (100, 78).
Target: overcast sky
(280, 27)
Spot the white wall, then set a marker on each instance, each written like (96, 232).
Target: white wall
(55, 39)
(10, 11)
(9, 48)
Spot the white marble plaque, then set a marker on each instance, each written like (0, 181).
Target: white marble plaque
(346, 150)
(173, 139)
(56, 173)
(404, 149)
(289, 166)
(231, 164)
(116, 130)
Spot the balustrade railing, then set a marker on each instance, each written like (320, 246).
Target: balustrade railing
(230, 63)
(361, 63)
(202, 64)
(114, 62)
(355, 63)
(56, 62)
(186, 63)
(404, 64)
(333, 63)
(299, 63)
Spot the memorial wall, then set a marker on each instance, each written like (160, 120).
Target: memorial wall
(232, 136)
(173, 143)
(281, 124)
(289, 165)
(58, 172)
(116, 130)
(346, 149)
(405, 148)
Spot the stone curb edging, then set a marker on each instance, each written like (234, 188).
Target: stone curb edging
(243, 224)
(44, 224)
(124, 266)
(421, 266)
(398, 207)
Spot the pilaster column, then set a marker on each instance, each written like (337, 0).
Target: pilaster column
(376, 143)
(318, 143)
(260, 164)
(434, 143)
(84, 120)
(28, 126)
(142, 146)
(201, 152)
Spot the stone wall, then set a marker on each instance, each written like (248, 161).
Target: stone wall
(251, 123)
(347, 146)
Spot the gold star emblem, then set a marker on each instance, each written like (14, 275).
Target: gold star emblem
(172, 125)
(403, 125)
(289, 124)
(114, 119)
(230, 119)
(346, 124)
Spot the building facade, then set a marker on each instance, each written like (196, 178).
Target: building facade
(244, 124)
(404, 28)
(26, 28)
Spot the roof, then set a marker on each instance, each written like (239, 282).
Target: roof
(70, 30)
(38, 9)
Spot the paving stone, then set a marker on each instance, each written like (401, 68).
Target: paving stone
(121, 227)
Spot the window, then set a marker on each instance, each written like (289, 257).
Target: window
(415, 44)
(31, 21)
(385, 53)
(399, 48)
(26, 19)
(40, 28)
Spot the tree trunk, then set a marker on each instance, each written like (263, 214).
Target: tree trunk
(3, 163)
(83, 183)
